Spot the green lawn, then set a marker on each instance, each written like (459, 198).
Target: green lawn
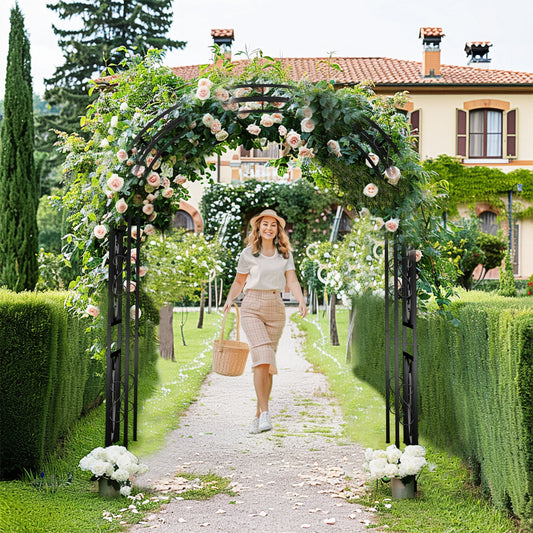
(447, 502)
(76, 507)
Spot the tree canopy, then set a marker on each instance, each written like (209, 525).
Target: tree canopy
(19, 188)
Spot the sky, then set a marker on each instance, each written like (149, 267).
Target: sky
(314, 28)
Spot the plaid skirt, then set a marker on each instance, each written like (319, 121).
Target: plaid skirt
(263, 320)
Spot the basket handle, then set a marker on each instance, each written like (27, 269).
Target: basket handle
(238, 324)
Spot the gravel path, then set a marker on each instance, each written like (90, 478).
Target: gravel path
(294, 478)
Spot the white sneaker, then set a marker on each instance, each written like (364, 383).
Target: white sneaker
(254, 427)
(264, 422)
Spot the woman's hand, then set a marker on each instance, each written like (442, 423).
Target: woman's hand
(227, 306)
(303, 308)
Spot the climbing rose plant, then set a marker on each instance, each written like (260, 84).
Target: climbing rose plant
(150, 136)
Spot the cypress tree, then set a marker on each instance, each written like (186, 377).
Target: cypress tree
(106, 26)
(19, 189)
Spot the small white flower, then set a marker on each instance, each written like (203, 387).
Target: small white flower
(124, 106)
(393, 175)
(370, 190)
(114, 121)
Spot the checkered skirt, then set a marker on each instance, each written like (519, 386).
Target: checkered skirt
(263, 320)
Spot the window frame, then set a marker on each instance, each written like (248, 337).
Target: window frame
(485, 134)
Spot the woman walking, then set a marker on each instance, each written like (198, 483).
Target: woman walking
(265, 268)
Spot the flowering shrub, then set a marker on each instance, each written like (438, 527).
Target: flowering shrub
(354, 265)
(389, 463)
(113, 462)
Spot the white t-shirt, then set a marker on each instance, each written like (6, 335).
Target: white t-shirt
(265, 273)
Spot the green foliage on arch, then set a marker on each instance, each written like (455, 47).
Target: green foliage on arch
(336, 134)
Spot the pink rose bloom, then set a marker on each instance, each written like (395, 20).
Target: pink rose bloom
(92, 310)
(132, 312)
(221, 135)
(393, 175)
(167, 193)
(418, 255)
(100, 231)
(370, 190)
(216, 126)
(203, 93)
(156, 164)
(154, 180)
(205, 82)
(180, 180)
(282, 130)
(131, 287)
(307, 125)
(148, 209)
(208, 119)
(115, 182)
(392, 225)
(242, 115)
(266, 120)
(307, 112)
(149, 229)
(138, 170)
(134, 230)
(121, 206)
(143, 270)
(149, 198)
(152, 217)
(221, 94)
(133, 256)
(303, 151)
(334, 147)
(277, 118)
(122, 155)
(253, 129)
(374, 158)
(293, 139)
(233, 106)
(109, 194)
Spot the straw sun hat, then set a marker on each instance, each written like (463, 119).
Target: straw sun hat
(268, 213)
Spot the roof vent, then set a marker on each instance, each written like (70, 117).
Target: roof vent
(478, 51)
(431, 38)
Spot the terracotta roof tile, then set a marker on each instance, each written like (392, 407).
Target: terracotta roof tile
(222, 33)
(431, 32)
(382, 71)
(478, 43)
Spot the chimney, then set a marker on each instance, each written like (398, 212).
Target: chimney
(223, 39)
(478, 51)
(431, 38)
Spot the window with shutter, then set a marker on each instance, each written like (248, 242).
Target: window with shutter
(461, 133)
(510, 123)
(485, 133)
(414, 120)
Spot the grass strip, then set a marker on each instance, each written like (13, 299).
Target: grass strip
(58, 507)
(446, 501)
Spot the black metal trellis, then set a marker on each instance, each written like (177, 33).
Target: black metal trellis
(403, 384)
(122, 367)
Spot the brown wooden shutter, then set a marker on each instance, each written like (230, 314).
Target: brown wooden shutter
(461, 146)
(510, 134)
(415, 120)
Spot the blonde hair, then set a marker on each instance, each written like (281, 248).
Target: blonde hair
(281, 241)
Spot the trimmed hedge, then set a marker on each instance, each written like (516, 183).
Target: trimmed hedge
(47, 379)
(475, 387)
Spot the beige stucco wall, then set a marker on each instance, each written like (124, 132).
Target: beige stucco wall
(438, 127)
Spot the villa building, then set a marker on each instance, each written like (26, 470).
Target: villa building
(481, 115)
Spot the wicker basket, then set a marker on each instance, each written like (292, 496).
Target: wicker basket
(229, 357)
